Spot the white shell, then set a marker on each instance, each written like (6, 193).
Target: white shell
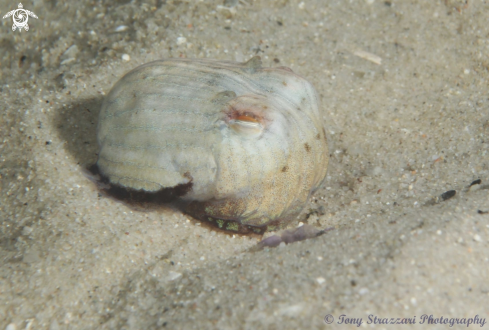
(250, 140)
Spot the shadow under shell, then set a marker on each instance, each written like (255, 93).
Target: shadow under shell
(146, 201)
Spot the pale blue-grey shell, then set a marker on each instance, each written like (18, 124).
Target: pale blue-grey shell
(249, 140)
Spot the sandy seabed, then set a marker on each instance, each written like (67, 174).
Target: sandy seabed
(404, 91)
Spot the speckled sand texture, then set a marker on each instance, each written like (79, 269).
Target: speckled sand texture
(404, 87)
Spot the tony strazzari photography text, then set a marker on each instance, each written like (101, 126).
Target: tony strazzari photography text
(424, 319)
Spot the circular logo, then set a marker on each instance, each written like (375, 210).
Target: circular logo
(328, 319)
(20, 17)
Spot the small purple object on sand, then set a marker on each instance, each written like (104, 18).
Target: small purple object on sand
(291, 236)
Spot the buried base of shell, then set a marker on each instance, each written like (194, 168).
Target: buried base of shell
(202, 212)
(143, 200)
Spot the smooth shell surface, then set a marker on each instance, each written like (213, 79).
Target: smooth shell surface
(247, 143)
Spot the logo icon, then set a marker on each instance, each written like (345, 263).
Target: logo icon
(20, 17)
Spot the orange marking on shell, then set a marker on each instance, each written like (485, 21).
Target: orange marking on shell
(247, 118)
